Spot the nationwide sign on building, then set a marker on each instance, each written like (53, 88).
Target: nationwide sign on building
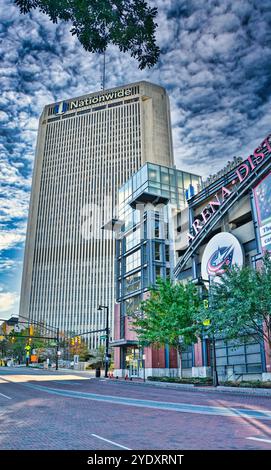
(90, 100)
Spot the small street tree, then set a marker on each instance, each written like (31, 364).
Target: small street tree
(128, 24)
(79, 348)
(240, 304)
(168, 314)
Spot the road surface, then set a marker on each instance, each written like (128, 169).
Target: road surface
(66, 410)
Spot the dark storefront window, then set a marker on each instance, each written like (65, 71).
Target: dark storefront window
(187, 357)
(243, 356)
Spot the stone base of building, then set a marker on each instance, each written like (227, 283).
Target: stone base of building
(266, 376)
(149, 372)
(201, 371)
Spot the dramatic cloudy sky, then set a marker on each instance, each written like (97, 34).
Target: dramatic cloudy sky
(215, 64)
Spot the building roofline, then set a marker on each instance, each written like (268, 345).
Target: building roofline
(107, 90)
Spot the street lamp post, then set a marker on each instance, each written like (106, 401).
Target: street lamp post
(57, 347)
(144, 367)
(200, 282)
(107, 338)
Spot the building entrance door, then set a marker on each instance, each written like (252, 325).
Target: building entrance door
(132, 361)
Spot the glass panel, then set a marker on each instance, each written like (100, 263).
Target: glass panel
(144, 173)
(253, 348)
(132, 283)
(164, 176)
(237, 360)
(237, 350)
(133, 304)
(154, 190)
(156, 228)
(154, 173)
(195, 182)
(180, 180)
(153, 184)
(132, 239)
(254, 368)
(167, 253)
(158, 272)
(186, 180)
(221, 361)
(157, 252)
(133, 261)
(253, 358)
(172, 178)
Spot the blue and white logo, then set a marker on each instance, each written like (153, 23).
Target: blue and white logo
(221, 253)
(61, 107)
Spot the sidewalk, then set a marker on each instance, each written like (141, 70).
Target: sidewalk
(260, 392)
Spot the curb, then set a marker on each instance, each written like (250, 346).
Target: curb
(265, 392)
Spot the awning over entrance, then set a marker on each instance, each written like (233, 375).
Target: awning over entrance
(122, 342)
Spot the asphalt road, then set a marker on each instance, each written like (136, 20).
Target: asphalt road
(66, 410)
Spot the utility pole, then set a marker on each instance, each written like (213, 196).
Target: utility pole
(57, 347)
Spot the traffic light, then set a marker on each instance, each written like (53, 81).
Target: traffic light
(72, 341)
(31, 330)
(78, 340)
(206, 303)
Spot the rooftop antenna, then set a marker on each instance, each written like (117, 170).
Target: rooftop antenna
(103, 73)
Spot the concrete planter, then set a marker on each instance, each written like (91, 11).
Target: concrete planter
(202, 372)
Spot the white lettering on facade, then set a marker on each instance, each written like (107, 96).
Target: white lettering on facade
(100, 98)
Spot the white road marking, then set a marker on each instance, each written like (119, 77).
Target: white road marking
(111, 442)
(259, 439)
(9, 398)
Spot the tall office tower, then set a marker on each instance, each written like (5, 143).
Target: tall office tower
(87, 148)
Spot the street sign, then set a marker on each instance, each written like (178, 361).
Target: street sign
(27, 348)
(206, 322)
(103, 337)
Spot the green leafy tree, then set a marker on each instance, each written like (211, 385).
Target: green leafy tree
(79, 348)
(128, 24)
(97, 357)
(241, 303)
(17, 341)
(168, 314)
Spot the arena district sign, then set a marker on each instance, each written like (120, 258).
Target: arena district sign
(242, 172)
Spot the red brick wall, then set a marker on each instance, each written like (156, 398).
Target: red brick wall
(117, 358)
(198, 354)
(158, 358)
(173, 358)
(129, 332)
